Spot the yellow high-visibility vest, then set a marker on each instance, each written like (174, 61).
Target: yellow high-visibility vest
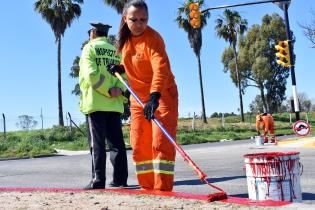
(94, 79)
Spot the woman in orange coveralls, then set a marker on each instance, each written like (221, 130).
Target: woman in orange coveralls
(147, 66)
(267, 122)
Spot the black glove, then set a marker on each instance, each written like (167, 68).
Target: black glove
(113, 68)
(151, 106)
(127, 94)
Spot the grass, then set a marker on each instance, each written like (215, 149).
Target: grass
(44, 142)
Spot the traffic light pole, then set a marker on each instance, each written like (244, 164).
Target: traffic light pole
(243, 4)
(289, 37)
(287, 28)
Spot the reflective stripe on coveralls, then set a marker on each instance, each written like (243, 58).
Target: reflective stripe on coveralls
(156, 166)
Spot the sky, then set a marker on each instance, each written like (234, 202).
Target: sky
(28, 58)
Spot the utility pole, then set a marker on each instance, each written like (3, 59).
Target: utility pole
(41, 116)
(70, 121)
(67, 119)
(4, 128)
(285, 7)
(244, 4)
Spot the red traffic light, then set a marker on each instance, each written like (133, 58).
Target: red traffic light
(194, 15)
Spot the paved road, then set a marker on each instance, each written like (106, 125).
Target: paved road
(223, 162)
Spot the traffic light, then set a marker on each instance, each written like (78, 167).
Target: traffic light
(283, 53)
(194, 15)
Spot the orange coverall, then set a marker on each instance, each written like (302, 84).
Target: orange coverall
(267, 122)
(148, 69)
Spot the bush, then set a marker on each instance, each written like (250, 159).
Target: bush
(285, 117)
(3, 146)
(31, 146)
(58, 134)
(233, 119)
(13, 138)
(37, 136)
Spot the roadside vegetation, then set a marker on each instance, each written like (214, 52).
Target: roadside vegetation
(34, 143)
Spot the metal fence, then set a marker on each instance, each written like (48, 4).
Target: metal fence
(28, 122)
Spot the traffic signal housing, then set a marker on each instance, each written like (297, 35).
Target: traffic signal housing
(194, 15)
(283, 53)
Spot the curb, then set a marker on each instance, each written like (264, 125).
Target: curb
(60, 153)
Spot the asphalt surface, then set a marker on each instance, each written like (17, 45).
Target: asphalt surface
(223, 162)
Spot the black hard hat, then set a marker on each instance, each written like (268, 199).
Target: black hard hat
(101, 27)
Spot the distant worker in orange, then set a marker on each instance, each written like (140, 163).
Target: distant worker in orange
(147, 66)
(266, 121)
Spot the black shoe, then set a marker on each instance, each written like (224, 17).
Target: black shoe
(113, 184)
(94, 185)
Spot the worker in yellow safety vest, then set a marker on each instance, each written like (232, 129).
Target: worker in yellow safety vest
(102, 102)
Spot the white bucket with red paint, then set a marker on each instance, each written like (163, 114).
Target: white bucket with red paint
(259, 140)
(274, 176)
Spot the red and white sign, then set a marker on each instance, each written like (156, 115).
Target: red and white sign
(301, 128)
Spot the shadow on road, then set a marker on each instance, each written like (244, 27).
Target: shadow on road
(211, 180)
(132, 187)
(308, 196)
(244, 195)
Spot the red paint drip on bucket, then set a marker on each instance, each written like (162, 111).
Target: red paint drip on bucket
(274, 176)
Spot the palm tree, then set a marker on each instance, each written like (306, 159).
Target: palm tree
(229, 27)
(59, 14)
(195, 40)
(118, 5)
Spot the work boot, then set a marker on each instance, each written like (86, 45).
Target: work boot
(265, 140)
(94, 185)
(113, 184)
(273, 139)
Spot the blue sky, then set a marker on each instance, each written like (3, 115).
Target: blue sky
(28, 65)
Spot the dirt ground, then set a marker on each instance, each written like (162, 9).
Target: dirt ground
(105, 201)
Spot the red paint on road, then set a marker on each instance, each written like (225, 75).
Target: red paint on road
(235, 200)
(249, 202)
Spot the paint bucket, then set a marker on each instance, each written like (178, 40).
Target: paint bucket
(259, 140)
(274, 176)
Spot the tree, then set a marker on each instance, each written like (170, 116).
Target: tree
(273, 30)
(229, 27)
(256, 106)
(118, 5)
(75, 68)
(195, 40)
(257, 61)
(26, 122)
(59, 14)
(74, 71)
(306, 104)
(309, 29)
